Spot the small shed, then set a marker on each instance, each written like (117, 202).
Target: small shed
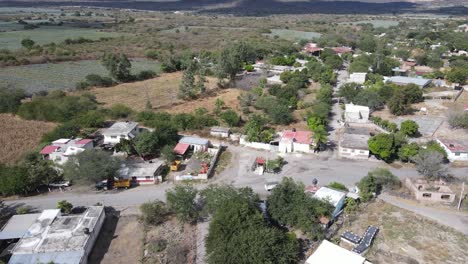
(336, 198)
(220, 132)
(198, 144)
(181, 149)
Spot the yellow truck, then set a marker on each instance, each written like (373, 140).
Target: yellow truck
(123, 184)
(175, 165)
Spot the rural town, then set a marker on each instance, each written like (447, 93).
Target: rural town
(316, 132)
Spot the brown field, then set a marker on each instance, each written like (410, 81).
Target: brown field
(161, 92)
(405, 237)
(17, 136)
(229, 96)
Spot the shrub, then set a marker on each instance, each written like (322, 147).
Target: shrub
(375, 181)
(65, 130)
(118, 111)
(145, 75)
(181, 200)
(65, 206)
(154, 212)
(338, 186)
(97, 80)
(10, 99)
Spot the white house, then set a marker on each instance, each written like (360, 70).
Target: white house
(142, 172)
(336, 198)
(354, 146)
(62, 149)
(329, 253)
(220, 132)
(356, 113)
(57, 238)
(119, 130)
(295, 141)
(357, 77)
(196, 143)
(457, 150)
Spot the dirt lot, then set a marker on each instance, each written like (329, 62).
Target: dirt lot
(120, 241)
(405, 237)
(18, 136)
(161, 92)
(171, 243)
(229, 96)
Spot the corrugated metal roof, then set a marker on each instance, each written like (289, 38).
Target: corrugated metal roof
(408, 80)
(17, 226)
(194, 141)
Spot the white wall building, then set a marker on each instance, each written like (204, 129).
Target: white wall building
(142, 172)
(357, 77)
(56, 238)
(354, 146)
(336, 198)
(196, 143)
(222, 132)
(329, 253)
(457, 150)
(119, 130)
(295, 141)
(356, 113)
(61, 150)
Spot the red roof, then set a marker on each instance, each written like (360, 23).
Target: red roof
(303, 137)
(341, 50)
(312, 189)
(311, 47)
(181, 148)
(466, 107)
(83, 141)
(455, 145)
(48, 149)
(260, 160)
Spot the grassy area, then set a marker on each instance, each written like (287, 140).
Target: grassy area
(18, 136)
(405, 237)
(376, 23)
(53, 76)
(47, 34)
(293, 34)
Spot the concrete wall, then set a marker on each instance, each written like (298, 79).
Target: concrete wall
(93, 236)
(429, 196)
(257, 145)
(452, 156)
(353, 153)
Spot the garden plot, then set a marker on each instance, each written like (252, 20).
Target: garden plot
(60, 76)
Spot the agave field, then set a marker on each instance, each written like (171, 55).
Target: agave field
(376, 23)
(60, 76)
(47, 34)
(293, 34)
(18, 136)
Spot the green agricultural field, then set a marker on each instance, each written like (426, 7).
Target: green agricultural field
(375, 23)
(189, 28)
(63, 76)
(47, 34)
(293, 34)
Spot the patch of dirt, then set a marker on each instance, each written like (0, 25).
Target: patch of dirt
(18, 136)
(160, 91)
(229, 96)
(120, 241)
(405, 237)
(171, 243)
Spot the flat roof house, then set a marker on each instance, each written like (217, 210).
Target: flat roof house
(329, 253)
(356, 113)
(220, 132)
(295, 141)
(148, 172)
(357, 77)
(354, 146)
(403, 80)
(57, 238)
(62, 149)
(336, 198)
(196, 143)
(457, 150)
(118, 130)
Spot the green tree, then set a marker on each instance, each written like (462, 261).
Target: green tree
(232, 58)
(181, 200)
(187, 85)
(65, 130)
(215, 196)
(65, 206)
(28, 43)
(91, 166)
(154, 212)
(349, 91)
(168, 153)
(230, 117)
(118, 66)
(367, 43)
(288, 204)
(147, 143)
(239, 234)
(126, 146)
(398, 103)
(118, 111)
(409, 128)
(383, 146)
(408, 151)
(375, 181)
(320, 137)
(280, 114)
(457, 75)
(219, 104)
(10, 99)
(369, 98)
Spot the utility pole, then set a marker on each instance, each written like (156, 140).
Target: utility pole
(461, 195)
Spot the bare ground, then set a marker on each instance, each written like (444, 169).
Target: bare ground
(405, 237)
(18, 136)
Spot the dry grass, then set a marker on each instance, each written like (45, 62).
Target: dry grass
(17, 136)
(161, 92)
(229, 96)
(405, 237)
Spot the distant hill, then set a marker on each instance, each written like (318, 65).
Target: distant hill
(266, 7)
